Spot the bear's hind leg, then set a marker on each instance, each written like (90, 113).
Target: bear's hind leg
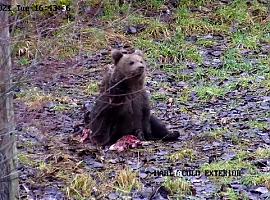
(159, 130)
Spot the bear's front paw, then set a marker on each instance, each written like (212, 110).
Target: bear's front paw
(139, 133)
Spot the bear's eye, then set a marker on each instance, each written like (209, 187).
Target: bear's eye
(131, 63)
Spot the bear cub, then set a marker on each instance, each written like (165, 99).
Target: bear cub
(123, 105)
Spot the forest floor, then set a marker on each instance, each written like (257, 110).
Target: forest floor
(208, 77)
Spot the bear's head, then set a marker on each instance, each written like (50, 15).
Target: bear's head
(129, 65)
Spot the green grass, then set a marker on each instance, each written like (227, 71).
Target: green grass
(169, 51)
(217, 134)
(234, 61)
(66, 45)
(93, 38)
(245, 41)
(191, 53)
(156, 29)
(112, 10)
(245, 83)
(199, 74)
(222, 74)
(162, 52)
(182, 154)
(256, 179)
(237, 11)
(80, 187)
(61, 107)
(176, 71)
(258, 11)
(34, 96)
(92, 88)
(190, 24)
(189, 3)
(262, 153)
(259, 125)
(156, 4)
(151, 4)
(25, 159)
(24, 61)
(126, 180)
(236, 164)
(178, 186)
(45, 168)
(158, 96)
(206, 42)
(207, 92)
(229, 193)
(184, 96)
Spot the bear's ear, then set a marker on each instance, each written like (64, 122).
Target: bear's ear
(116, 55)
(139, 52)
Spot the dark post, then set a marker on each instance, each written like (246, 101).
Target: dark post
(8, 174)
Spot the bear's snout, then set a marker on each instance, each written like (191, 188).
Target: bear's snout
(141, 67)
(137, 71)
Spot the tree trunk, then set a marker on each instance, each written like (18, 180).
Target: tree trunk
(8, 175)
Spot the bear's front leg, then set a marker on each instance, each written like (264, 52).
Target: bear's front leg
(140, 134)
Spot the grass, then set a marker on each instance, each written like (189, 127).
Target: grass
(24, 62)
(184, 96)
(235, 62)
(222, 74)
(152, 5)
(237, 11)
(198, 3)
(245, 83)
(67, 42)
(112, 10)
(156, 29)
(232, 195)
(25, 159)
(158, 96)
(61, 107)
(237, 164)
(182, 154)
(245, 41)
(199, 74)
(45, 168)
(34, 97)
(217, 134)
(261, 153)
(259, 125)
(234, 137)
(206, 42)
(99, 38)
(208, 92)
(177, 186)
(156, 4)
(80, 187)
(163, 52)
(92, 88)
(190, 24)
(127, 180)
(191, 53)
(169, 51)
(256, 179)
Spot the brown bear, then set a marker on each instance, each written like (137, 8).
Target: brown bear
(123, 105)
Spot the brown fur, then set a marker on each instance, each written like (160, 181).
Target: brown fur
(123, 106)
